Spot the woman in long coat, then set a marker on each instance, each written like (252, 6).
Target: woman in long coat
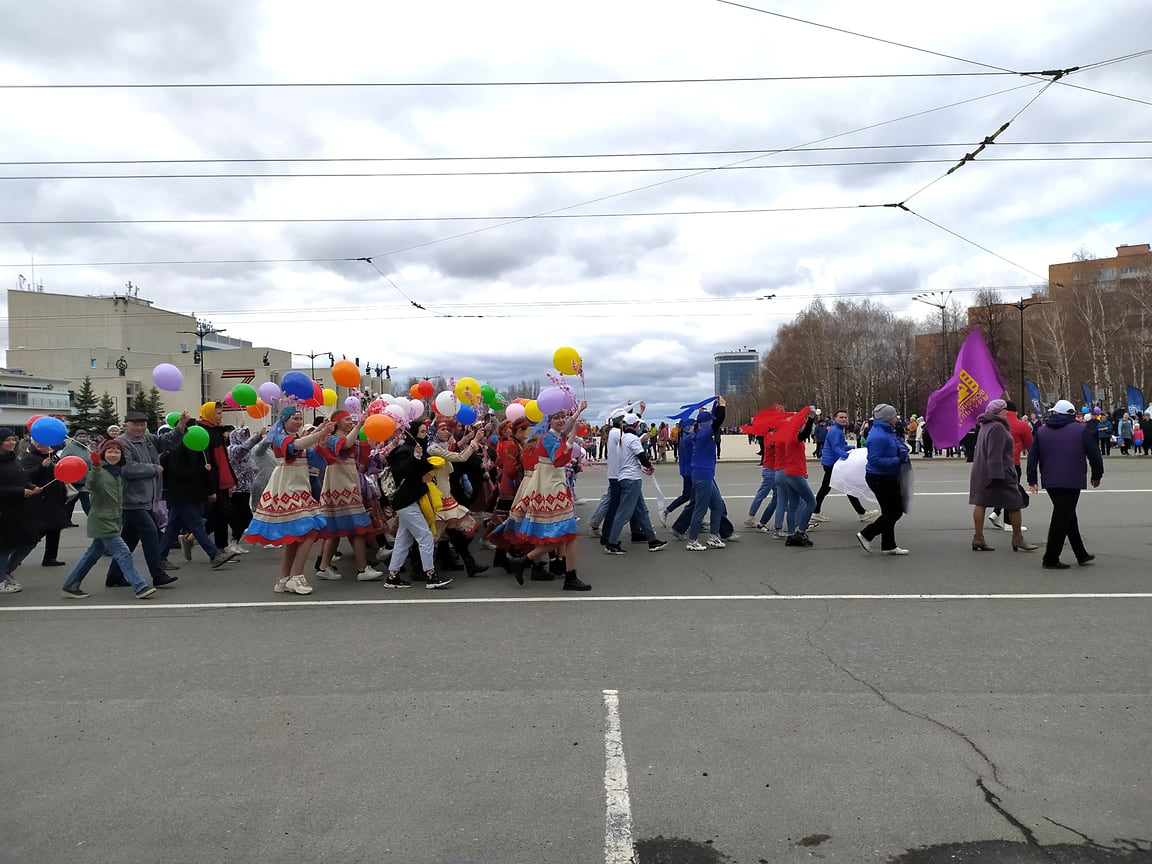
(994, 482)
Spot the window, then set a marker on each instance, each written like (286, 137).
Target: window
(1108, 274)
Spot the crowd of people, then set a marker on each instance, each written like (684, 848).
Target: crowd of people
(424, 501)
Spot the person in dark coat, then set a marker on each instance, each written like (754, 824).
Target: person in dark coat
(49, 510)
(18, 530)
(993, 481)
(189, 488)
(1058, 453)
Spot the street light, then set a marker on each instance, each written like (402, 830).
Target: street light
(312, 357)
(1021, 305)
(939, 300)
(203, 328)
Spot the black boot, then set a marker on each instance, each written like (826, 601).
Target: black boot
(540, 572)
(500, 559)
(572, 582)
(557, 567)
(472, 568)
(517, 566)
(447, 558)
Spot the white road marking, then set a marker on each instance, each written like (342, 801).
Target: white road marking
(80, 606)
(618, 848)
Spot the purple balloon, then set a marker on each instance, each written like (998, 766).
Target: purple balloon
(352, 405)
(269, 391)
(167, 377)
(415, 410)
(554, 399)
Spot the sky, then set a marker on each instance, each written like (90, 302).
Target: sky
(506, 211)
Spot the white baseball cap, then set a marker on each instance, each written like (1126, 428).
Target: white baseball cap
(1063, 407)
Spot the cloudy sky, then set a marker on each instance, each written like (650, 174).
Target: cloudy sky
(639, 222)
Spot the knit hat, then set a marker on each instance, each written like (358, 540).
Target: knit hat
(6, 433)
(109, 442)
(996, 406)
(884, 412)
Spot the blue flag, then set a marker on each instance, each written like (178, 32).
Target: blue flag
(1135, 401)
(1087, 396)
(1034, 395)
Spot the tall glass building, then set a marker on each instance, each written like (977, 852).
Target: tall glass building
(735, 369)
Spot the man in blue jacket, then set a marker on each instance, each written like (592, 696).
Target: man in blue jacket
(835, 449)
(1059, 450)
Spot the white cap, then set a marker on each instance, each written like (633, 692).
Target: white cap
(1063, 407)
(631, 419)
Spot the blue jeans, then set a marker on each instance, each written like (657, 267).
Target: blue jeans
(707, 498)
(11, 556)
(601, 510)
(632, 509)
(140, 527)
(121, 555)
(683, 498)
(784, 502)
(191, 518)
(767, 484)
(801, 503)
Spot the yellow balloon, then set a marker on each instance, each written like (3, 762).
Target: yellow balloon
(532, 412)
(329, 397)
(567, 361)
(468, 391)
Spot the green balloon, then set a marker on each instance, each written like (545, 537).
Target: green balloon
(172, 419)
(244, 394)
(363, 436)
(196, 438)
(487, 393)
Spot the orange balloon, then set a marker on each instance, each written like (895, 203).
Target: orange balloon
(414, 391)
(379, 427)
(260, 409)
(346, 373)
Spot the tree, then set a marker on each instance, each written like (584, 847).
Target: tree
(106, 414)
(84, 402)
(155, 409)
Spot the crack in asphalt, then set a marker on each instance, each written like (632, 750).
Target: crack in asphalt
(996, 804)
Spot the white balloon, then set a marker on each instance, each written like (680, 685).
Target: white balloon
(402, 403)
(415, 410)
(394, 412)
(446, 403)
(386, 398)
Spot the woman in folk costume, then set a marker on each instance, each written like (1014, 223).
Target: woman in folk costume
(542, 515)
(509, 475)
(287, 515)
(454, 522)
(341, 500)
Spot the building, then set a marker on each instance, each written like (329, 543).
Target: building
(734, 371)
(57, 340)
(1131, 266)
(23, 396)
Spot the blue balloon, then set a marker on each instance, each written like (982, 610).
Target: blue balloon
(49, 431)
(466, 414)
(297, 384)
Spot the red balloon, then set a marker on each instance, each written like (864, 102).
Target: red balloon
(426, 389)
(70, 469)
(33, 419)
(317, 392)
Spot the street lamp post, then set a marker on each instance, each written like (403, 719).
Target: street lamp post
(203, 328)
(1020, 306)
(939, 300)
(312, 357)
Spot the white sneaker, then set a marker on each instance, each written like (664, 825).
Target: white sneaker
(750, 522)
(9, 586)
(864, 542)
(593, 531)
(328, 574)
(280, 583)
(236, 549)
(1008, 528)
(896, 551)
(995, 519)
(732, 538)
(869, 515)
(663, 514)
(714, 542)
(369, 574)
(383, 555)
(696, 546)
(817, 517)
(780, 534)
(763, 529)
(297, 585)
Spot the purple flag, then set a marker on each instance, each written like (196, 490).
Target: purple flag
(953, 409)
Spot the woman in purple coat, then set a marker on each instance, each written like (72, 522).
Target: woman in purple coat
(994, 482)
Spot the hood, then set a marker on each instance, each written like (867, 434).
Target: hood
(238, 436)
(1057, 421)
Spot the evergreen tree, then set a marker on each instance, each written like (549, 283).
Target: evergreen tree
(105, 415)
(155, 409)
(84, 403)
(139, 402)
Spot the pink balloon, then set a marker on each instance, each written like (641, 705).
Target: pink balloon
(416, 410)
(514, 412)
(352, 405)
(230, 402)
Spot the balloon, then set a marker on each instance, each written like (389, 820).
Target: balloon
(379, 427)
(70, 469)
(230, 402)
(173, 418)
(567, 361)
(515, 411)
(244, 394)
(346, 373)
(362, 436)
(297, 384)
(48, 431)
(426, 389)
(555, 399)
(376, 406)
(260, 409)
(488, 393)
(446, 404)
(402, 402)
(269, 392)
(532, 412)
(352, 405)
(167, 377)
(468, 391)
(386, 398)
(329, 397)
(316, 399)
(466, 414)
(395, 412)
(34, 418)
(416, 410)
(196, 438)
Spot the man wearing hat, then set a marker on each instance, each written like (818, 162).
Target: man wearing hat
(142, 491)
(1061, 452)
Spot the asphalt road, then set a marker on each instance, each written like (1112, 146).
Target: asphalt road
(752, 704)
